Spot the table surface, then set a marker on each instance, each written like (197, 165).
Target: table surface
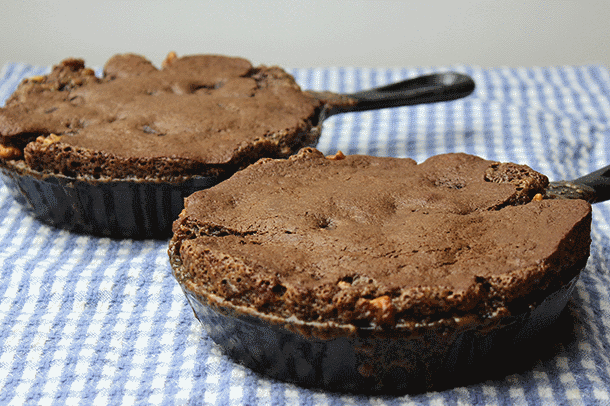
(87, 320)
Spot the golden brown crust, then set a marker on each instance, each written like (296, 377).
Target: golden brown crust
(10, 152)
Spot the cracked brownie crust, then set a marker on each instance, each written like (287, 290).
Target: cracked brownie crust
(198, 115)
(380, 242)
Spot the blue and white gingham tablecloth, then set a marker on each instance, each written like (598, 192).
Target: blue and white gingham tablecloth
(87, 320)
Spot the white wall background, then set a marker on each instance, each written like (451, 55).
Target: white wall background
(312, 33)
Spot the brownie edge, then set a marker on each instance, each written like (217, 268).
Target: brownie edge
(382, 243)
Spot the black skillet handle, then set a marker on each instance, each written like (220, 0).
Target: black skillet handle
(437, 87)
(594, 187)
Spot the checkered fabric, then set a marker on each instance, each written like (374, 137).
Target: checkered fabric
(87, 320)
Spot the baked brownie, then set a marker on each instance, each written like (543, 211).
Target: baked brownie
(380, 242)
(203, 115)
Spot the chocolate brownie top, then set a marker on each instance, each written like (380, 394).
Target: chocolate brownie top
(380, 241)
(196, 112)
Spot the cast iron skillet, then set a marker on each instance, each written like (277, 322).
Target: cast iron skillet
(401, 360)
(146, 209)
(594, 187)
